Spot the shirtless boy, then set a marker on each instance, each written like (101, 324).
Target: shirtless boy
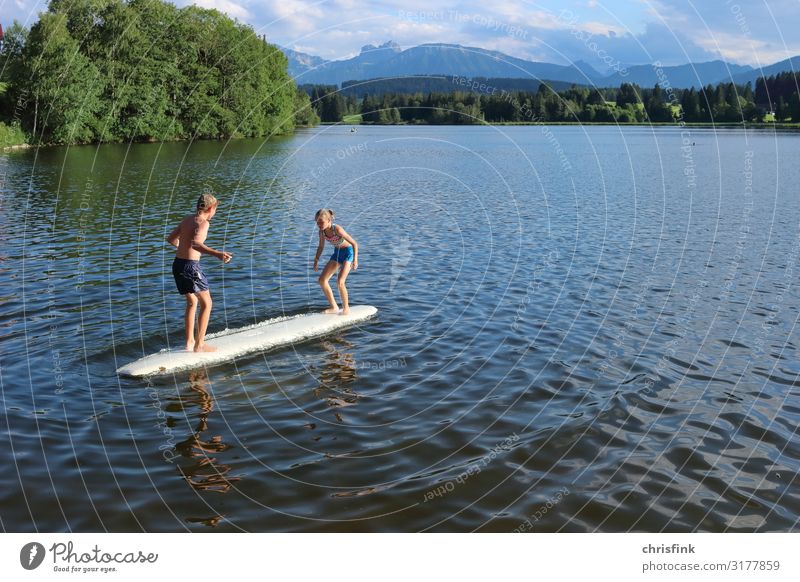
(189, 238)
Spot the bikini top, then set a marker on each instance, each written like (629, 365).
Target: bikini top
(335, 239)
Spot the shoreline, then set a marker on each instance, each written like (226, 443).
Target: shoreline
(724, 125)
(702, 125)
(149, 141)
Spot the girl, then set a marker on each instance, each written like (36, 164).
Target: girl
(345, 253)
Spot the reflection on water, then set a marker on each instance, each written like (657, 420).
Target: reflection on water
(336, 375)
(199, 467)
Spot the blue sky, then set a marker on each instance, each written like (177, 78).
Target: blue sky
(602, 33)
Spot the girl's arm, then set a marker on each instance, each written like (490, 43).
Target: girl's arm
(320, 247)
(353, 242)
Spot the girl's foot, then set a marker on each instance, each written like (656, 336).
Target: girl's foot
(331, 310)
(346, 311)
(204, 347)
(190, 347)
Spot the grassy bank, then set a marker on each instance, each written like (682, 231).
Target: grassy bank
(11, 135)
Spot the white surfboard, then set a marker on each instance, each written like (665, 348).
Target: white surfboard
(233, 343)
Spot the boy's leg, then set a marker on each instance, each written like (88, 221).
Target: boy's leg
(327, 273)
(343, 272)
(204, 297)
(188, 319)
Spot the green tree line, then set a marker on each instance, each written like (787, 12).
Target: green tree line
(781, 94)
(120, 70)
(628, 103)
(440, 84)
(330, 104)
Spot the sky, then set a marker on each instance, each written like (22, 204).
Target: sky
(606, 34)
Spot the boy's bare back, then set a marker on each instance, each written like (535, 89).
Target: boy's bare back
(192, 229)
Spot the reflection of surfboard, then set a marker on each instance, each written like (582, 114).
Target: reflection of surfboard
(231, 344)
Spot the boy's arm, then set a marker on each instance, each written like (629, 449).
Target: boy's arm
(198, 243)
(173, 238)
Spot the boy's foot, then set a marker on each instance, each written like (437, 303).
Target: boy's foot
(346, 311)
(190, 347)
(204, 348)
(331, 310)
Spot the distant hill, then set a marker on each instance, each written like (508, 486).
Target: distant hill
(680, 76)
(751, 76)
(438, 59)
(440, 84)
(389, 60)
(301, 62)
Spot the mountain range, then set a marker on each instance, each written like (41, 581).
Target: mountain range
(390, 60)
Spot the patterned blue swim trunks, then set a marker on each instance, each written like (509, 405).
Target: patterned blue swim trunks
(189, 276)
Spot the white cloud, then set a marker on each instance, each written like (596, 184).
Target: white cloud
(603, 28)
(735, 49)
(232, 9)
(742, 32)
(295, 8)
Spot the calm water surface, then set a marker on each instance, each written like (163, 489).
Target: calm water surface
(592, 329)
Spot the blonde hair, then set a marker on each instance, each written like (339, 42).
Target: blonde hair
(206, 201)
(325, 213)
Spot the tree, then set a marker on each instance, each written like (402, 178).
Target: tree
(781, 109)
(762, 97)
(13, 71)
(328, 103)
(603, 114)
(304, 114)
(595, 98)
(554, 108)
(690, 105)
(747, 93)
(64, 85)
(656, 109)
(369, 107)
(144, 69)
(628, 93)
(719, 98)
(794, 107)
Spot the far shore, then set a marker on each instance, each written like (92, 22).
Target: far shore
(726, 124)
(723, 125)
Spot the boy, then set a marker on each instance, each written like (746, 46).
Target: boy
(189, 238)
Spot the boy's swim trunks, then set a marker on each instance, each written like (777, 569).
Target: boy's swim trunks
(189, 277)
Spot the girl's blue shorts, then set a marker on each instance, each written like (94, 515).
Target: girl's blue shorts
(343, 254)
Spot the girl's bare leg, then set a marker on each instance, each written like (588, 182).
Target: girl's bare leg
(342, 280)
(327, 273)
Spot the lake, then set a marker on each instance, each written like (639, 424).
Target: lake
(580, 329)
